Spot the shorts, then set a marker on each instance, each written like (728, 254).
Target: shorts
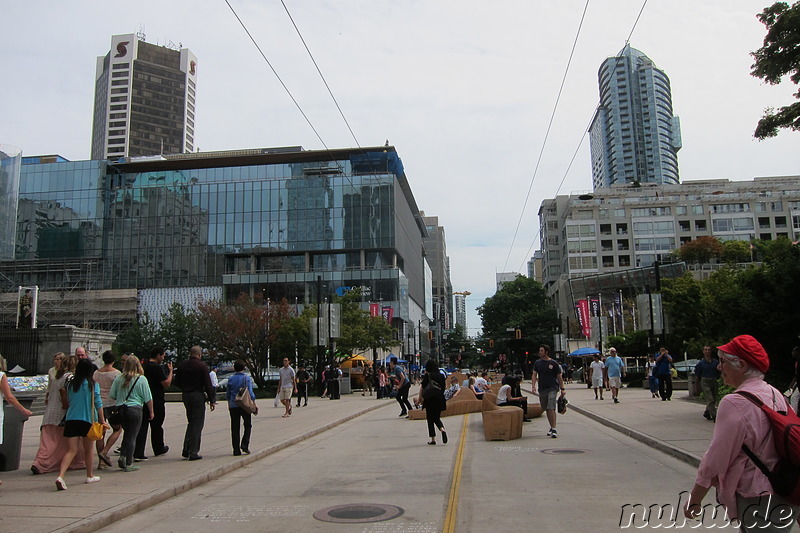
(597, 382)
(615, 382)
(548, 399)
(76, 428)
(286, 393)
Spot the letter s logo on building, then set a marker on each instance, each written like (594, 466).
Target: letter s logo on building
(192, 68)
(122, 51)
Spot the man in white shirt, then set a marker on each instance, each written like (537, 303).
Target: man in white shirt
(286, 386)
(596, 374)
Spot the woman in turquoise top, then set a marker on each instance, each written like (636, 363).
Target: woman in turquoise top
(131, 390)
(81, 398)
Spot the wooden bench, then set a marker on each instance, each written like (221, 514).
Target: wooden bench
(463, 402)
(500, 423)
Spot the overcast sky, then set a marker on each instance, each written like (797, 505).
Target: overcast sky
(464, 90)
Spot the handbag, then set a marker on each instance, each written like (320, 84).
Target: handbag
(244, 400)
(97, 431)
(116, 413)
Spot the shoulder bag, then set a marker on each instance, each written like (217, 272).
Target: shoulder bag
(244, 400)
(116, 413)
(98, 430)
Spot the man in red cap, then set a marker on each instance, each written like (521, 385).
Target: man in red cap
(741, 487)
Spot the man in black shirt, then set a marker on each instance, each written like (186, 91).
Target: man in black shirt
(303, 379)
(158, 378)
(193, 379)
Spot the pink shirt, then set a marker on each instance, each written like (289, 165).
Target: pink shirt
(724, 465)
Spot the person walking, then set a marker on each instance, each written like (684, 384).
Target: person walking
(303, 379)
(663, 373)
(596, 370)
(195, 384)
(707, 372)
(105, 376)
(332, 376)
(81, 399)
(286, 386)
(652, 380)
(367, 375)
(742, 488)
(380, 388)
(431, 395)
(52, 445)
(130, 389)
(547, 375)
(238, 415)
(616, 371)
(402, 385)
(158, 377)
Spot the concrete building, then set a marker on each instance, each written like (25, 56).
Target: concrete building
(501, 278)
(460, 305)
(144, 102)
(634, 136)
(137, 235)
(441, 286)
(609, 240)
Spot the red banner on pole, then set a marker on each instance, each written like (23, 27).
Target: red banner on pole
(583, 317)
(374, 310)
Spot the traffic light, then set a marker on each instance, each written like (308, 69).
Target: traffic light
(430, 335)
(518, 333)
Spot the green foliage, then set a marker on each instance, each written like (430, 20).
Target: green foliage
(139, 338)
(359, 330)
(778, 57)
(760, 300)
(522, 304)
(736, 251)
(178, 330)
(632, 344)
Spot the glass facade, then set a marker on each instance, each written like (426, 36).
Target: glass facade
(10, 160)
(295, 229)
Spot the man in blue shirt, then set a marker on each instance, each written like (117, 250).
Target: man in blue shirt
(402, 384)
(708, 373)
(615, 367)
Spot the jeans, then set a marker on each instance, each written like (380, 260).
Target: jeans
(130, 430)
(302, 392)
(710, 390)
(237, 414)
(195, 404)
(665, 386)
(653, 382)
(402, 397)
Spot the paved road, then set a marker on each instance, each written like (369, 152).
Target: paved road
(357, 451)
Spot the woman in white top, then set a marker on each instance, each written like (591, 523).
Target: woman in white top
(105, 376)
(5, 392)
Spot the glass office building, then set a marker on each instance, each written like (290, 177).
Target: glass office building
(285, 223)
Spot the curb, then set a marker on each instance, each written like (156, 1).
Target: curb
(126, 509)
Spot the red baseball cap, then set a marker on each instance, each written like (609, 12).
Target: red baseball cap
(748, 348)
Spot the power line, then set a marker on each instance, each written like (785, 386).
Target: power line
(547, 133)
(277, 75)
(583, 136)
(320, 73)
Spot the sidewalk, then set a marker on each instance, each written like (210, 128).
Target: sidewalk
(30, 503)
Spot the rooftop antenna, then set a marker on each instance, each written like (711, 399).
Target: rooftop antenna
(140, 34)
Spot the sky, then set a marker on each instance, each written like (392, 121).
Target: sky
(464, 90)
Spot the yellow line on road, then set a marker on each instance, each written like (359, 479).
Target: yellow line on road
(452, 503)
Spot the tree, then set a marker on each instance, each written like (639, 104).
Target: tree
(520, 304)
(245, 329)
(358, 330)
(778, 57)
(139, 338)
(701, 250)
(736, 251)
(179, 330)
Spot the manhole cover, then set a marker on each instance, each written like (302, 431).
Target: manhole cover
(358, 513)
(563, 451)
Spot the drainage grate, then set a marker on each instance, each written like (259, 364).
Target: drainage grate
(564, 451)
(358, 513)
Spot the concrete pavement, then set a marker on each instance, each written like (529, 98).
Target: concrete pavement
(365, 439)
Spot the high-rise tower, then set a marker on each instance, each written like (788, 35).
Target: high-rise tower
(144, 101)
(634, 136)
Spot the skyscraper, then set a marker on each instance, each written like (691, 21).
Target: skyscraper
(634, 136)
(144, 101)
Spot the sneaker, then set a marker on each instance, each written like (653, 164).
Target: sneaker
(121, 463)
(245, 451)
(93, 479)
(616, 400)
(403, 414)
(554, 434)
(139, 459)
(60, 485)
(550, 433)
(132, 468)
